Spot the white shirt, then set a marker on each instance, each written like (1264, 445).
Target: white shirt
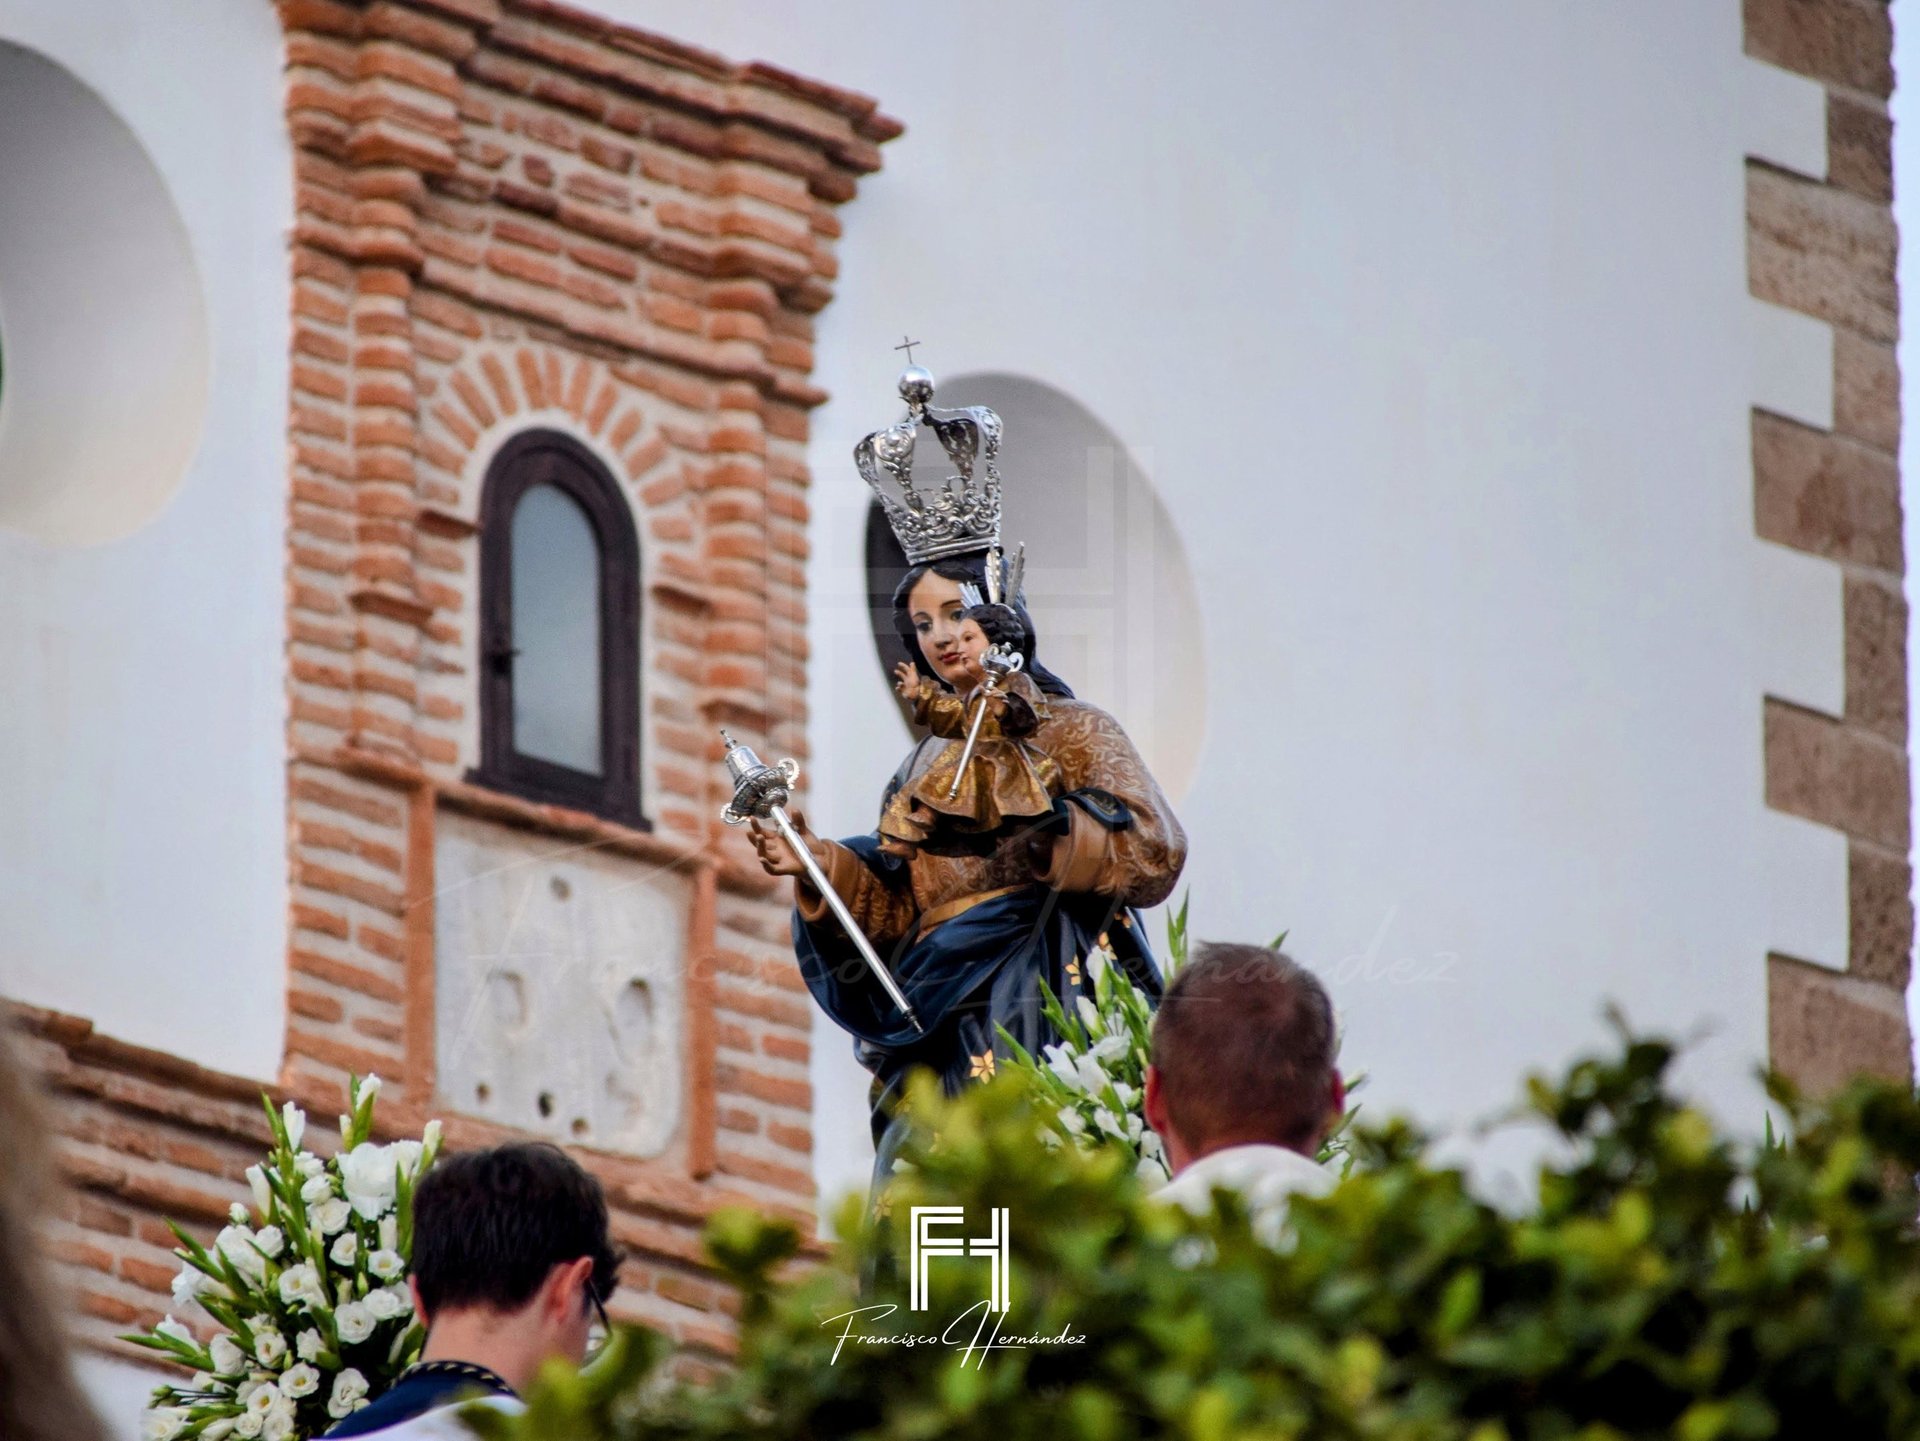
(1264, 1176)
(443, 1422)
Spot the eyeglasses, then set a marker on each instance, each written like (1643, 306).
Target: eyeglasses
(601, 1333)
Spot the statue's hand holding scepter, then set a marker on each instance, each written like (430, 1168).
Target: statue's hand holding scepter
(760, 793)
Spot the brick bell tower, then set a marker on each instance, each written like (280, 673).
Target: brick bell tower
(554, 289)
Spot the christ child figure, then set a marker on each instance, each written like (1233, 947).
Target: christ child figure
(1006, 778)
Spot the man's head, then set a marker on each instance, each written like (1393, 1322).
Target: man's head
(1243, 1050)
(512, 1243)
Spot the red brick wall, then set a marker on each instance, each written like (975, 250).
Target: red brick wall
(512, 214)
(1827, 250)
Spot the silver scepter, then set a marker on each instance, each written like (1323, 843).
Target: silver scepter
(998, 662)
(761, 792)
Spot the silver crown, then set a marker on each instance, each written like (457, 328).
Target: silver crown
(963, 513)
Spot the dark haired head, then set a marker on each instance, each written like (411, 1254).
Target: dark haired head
(488, 1226)
(962, 569)
(1244, 1044)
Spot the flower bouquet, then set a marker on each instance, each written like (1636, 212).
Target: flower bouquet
(1093, 1080)
(309, 1289)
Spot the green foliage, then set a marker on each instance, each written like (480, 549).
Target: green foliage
(1638, 1295)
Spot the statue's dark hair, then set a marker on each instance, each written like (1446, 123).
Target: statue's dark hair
(962, 569)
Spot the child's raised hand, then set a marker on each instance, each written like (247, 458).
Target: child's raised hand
(906, 680)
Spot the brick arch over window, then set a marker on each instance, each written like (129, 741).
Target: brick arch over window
(488, 394)
(535, 608)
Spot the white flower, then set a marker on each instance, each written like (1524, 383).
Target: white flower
(346, 1247)
(300, 1380)
(369, 1088)
(228, 1359)
(431, 1136)
(295, 1120)
(354, 1322)
(237, 1214)
(316, 1189)
(406, 1155)
(248, 1425)
(188, 1286)
(262, 1192)
(308, 1164)
(300, 1285)
(1096, 963)
(269, 1346)
(367, 1176)
(1125, 1094)
(349, 1392)
(236, 1244)
(260, 1400)
(1050, 1140)
(1093, 1080)
(390, 1234)
(1089, 1017)
(166, 1422)
(1150, 1145)
(390, 1302)
(173, 1328)
(1134, 1127)
(1150, 1172)
(271, 1241)
(1072, 1121)
(277, 1427)
(1108, 1122)
(1061, 1063)
(387, 1263)
(1109, 1048)
(204, 1381)
(330, 1215)
(218, 1429)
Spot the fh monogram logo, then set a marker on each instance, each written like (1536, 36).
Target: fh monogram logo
(923, 1246)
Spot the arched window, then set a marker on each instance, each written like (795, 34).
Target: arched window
(559, 630)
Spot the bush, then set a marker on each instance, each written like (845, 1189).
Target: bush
(1666, 1281)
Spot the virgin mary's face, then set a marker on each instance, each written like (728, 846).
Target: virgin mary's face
(934, 606)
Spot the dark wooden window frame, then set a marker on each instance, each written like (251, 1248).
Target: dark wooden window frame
(549, 457)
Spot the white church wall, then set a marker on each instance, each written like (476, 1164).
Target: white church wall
(1431, 326)
(143, 836)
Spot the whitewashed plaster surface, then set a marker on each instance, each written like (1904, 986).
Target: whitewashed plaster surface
(142, 727)
(1430, 325)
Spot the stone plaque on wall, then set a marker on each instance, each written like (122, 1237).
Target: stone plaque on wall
(559, 996)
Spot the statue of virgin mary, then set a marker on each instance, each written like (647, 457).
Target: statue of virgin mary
(972, 926)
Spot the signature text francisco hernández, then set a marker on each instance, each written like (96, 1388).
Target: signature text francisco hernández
(985, 1337)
